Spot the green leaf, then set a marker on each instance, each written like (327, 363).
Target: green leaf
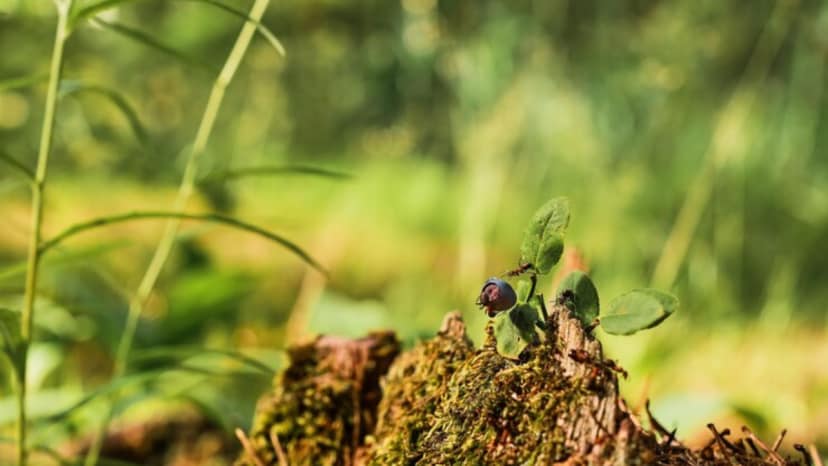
(68, 88)
(543, 241)
(150, 41)
(638, 310)
(515, 329)
(586, 304)
(11, 342)
(522, 290)
(21, 82)
(93, 10)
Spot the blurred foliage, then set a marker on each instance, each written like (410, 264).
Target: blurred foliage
(687, 136)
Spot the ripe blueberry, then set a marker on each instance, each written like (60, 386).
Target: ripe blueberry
(496, 295)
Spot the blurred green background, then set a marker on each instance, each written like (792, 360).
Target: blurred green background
(690, 137)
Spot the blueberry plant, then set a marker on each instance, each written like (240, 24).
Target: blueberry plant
(518, 313)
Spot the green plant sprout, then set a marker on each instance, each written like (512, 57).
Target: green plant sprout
(518, 315)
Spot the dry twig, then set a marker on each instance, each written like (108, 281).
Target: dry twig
(277, 446)
(779, 439)
(248, 447)
(771, 453)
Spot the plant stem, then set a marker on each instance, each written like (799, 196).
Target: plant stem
(185, 190)
(38, 185)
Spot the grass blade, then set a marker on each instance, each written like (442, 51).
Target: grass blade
(261, 28)
(45, 450)
(148, 40)
(21, 82)
(132, 380)
(93, 10)
(178, 354)
(217, 218)
(17, 269)
(236, 173)
(17, 165)
(68, 88)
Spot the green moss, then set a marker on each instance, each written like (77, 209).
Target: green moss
(500, 412)
(413, 390)
(443, 402)
(323, 405)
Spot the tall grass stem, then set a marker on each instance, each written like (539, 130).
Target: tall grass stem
(732, 115)
(38, 187)
(185, 191)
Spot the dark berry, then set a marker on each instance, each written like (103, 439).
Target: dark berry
(496, 295)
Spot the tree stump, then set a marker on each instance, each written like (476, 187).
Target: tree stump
(445, 402)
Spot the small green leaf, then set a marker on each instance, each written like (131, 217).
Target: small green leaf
(11, 342)
(638, 310)
(549, 252)
(586, 304)
(515, 329)
(523, 288)
(543, 241)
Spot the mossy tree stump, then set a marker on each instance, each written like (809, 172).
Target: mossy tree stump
(445, 402)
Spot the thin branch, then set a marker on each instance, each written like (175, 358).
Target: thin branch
(248, 447)
(277, 446)
(779, 439)
(772, 454)
(217, 218)
(815, 455)
(733, 446)
(654, 423)
(719, 440)
(752, 446)
(801, 449)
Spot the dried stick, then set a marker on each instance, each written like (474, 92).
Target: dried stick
(655, 424)
(752, 445)
(772, 454)
(721, 442)
(801, 449)
(779, 439)
(815, 455)
(277, 446)
(248, 447)
(723, 434)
